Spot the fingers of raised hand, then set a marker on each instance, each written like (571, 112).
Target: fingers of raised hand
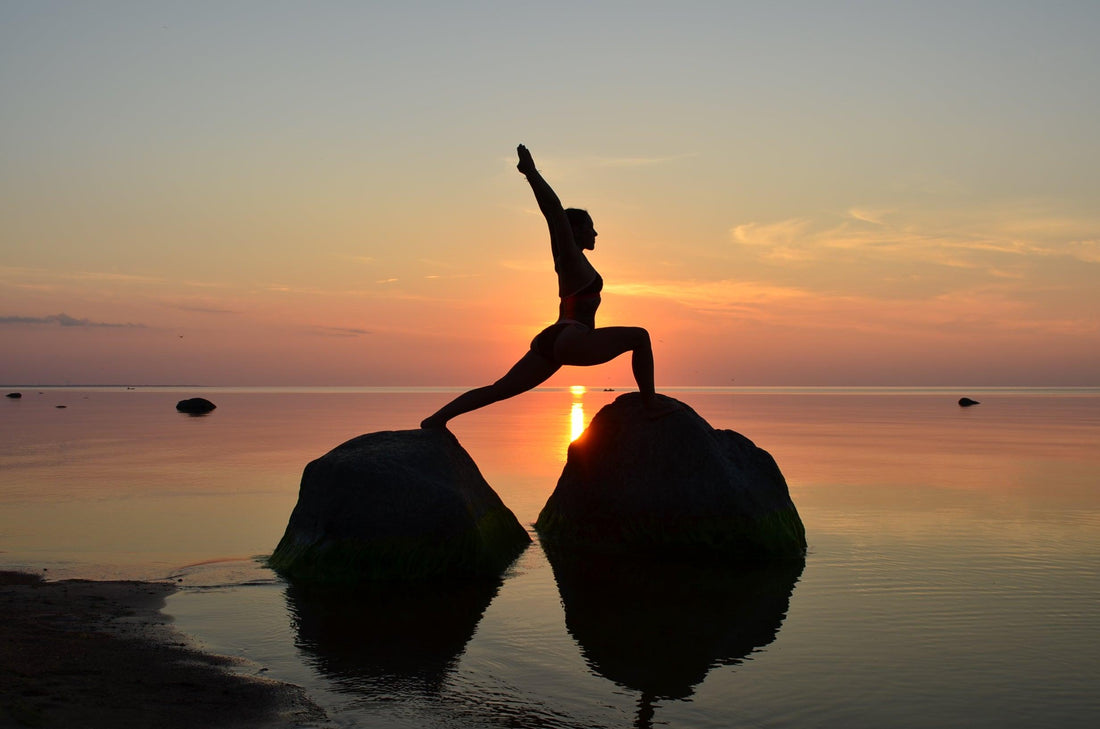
(526, 163)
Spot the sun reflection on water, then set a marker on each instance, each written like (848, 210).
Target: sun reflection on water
(576, 413)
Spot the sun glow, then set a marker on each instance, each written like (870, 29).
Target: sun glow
(576, 413)
(576, 421)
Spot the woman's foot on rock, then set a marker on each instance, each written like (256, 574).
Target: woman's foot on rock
(433, 422)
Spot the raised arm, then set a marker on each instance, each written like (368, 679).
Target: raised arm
(561, 234)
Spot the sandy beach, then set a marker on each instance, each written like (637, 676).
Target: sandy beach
(101, 654)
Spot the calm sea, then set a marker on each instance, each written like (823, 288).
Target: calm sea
(953, 575)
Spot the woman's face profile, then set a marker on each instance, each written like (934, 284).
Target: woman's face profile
(584, 235)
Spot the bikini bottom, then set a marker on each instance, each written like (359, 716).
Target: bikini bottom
(543, 343)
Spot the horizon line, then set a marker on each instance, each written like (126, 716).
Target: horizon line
(596, 388)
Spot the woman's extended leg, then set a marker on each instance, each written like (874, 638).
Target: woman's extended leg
(584, 347)
(531, 371)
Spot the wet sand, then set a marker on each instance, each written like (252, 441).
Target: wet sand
(101, 654)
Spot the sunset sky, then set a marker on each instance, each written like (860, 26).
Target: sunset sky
(325, 193)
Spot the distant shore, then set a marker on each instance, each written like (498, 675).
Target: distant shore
(101, 654)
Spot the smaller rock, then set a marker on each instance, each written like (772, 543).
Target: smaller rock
(14, 395)
(195, 406)
(966, 402)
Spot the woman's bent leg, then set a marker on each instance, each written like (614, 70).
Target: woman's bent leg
(584, 347)
(531, 371)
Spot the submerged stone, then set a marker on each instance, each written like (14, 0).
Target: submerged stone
(671, 485)
(195, 406)
(397, 505)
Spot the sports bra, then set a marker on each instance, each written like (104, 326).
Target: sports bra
(581, 306)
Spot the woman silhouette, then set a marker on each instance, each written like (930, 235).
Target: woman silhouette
(574, 339)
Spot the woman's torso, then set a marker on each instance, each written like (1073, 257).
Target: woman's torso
(580, 306)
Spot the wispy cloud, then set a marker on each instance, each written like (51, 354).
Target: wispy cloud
(201, 308)
(714, 296)
(980, 311)
(385, 293)
(868, 215)
(204, 284)
(329, 331)
(1085, 250)
(110, 276)
(64, 320)
(948, 238)
(43, 279)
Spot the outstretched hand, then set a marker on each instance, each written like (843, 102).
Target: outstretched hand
(526, 162)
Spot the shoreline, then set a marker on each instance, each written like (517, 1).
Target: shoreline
(102, 654)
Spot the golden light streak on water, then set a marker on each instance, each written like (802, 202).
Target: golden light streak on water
(576, 413)
(576, 421)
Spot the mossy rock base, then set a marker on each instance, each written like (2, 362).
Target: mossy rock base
(397, 506)
(671, 485)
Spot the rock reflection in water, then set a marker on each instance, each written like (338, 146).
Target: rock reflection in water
(389, 638)
(658, 627)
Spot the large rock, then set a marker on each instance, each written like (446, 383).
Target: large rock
(671, 485)
(397, 505)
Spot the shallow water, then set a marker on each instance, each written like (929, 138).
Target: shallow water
(951, 578)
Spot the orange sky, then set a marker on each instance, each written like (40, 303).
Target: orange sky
(326, 195)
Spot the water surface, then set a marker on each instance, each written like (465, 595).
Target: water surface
(951, 578)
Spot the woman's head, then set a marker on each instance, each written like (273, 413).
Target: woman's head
(584, 231)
